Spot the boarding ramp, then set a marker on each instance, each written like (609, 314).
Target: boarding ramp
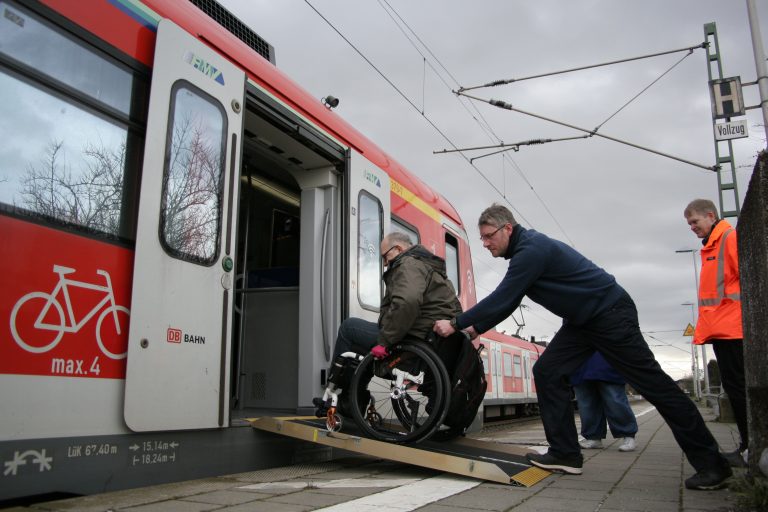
(484, 460)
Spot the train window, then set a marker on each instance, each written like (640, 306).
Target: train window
(508, 365)
(46, 50)
(452, 261)
(518, 368)
(60, 161)
(369, 233)
(190, 213)
(401, 227)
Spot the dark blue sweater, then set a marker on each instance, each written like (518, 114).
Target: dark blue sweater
(550, 273)
(596, 368)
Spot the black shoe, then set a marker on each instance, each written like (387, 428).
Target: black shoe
(709, 479)
(735, 459)
(321, 408)
(570, 465)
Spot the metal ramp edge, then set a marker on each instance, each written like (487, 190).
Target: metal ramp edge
(468, 457)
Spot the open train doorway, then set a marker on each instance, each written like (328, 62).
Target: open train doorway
(289, 262)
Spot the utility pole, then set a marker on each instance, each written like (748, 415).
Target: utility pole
(726, 102)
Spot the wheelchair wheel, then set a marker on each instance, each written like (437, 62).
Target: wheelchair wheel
(402, 398)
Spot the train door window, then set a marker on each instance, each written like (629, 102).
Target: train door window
(70, 146)
(518, 369)
(452, 261)
(508, 365)
(401, 227)
(190, 217)
(370, 231)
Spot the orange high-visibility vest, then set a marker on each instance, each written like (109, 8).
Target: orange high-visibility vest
(719, 290)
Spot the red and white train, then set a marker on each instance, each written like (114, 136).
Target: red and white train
(184, 229)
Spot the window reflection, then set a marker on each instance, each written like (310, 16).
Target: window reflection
(507, 365)
(452, 261)
(30, 42)
(192, 187)
(368, 251)
(403, 228)
(59, 161)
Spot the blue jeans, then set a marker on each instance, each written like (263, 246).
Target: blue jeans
(599, 401)
(615, 333)
(355, 335)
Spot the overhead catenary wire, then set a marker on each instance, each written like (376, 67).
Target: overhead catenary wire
(413, 105)
(581, 68)
(673, 66)
(484, 125)
(513, 146)
(593, 132)
(516, 146)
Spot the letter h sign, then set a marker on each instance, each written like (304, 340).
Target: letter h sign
(726, 97)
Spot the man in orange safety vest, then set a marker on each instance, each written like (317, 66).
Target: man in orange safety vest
(719, 322)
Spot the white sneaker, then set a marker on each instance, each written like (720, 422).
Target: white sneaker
(591, 444)
(627, 444)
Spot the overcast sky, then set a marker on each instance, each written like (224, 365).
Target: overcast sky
(620, 206)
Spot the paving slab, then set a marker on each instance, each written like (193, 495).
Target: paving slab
(649, 478)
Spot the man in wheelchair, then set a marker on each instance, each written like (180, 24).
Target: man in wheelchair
(418, 293)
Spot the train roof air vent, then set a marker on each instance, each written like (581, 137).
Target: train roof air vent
(229, 21)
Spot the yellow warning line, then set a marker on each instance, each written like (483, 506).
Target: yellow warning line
(530, 476)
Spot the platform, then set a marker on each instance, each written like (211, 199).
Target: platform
(485, 460)
(649, 478)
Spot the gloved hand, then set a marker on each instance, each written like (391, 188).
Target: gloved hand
(379, 352)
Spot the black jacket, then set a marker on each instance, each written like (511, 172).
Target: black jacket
(418, 293)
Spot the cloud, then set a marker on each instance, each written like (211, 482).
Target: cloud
(620, 206)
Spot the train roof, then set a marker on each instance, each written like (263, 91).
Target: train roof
(509, 339)
(268, 76)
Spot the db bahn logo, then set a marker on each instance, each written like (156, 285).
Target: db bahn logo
(178, 336)
(173, 335)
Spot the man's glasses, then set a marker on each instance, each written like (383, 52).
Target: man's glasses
(384, 256)
(485, 238)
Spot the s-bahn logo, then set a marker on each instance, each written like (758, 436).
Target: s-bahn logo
(204, 67)
(373, 178)
(177, 336)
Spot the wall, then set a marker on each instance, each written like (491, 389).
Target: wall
(753, 265)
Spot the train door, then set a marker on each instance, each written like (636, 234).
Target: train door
(368, 220)
(177, 373)
(527, 376)
(288, 285)
(497, 373)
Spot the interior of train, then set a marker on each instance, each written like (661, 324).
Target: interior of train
(284, 163)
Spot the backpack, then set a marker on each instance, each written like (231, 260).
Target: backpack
(468, 384)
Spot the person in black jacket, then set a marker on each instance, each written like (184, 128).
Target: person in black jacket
(598, 315)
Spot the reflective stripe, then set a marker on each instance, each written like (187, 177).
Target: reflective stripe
(721, 277)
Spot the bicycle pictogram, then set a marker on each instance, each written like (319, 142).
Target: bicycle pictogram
(49, 315)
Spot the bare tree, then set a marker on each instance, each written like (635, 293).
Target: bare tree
(192, 190)
(89, 196)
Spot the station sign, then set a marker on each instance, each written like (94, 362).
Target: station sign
(731, 130)
(727, 100)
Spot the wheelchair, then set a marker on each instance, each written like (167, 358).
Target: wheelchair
(401, 398)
